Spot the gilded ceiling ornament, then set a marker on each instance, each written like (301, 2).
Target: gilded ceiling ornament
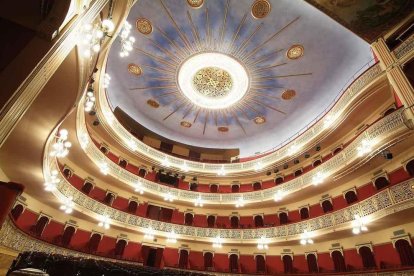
(153, 103)
(223, 129)
(185, 124)
(261, 8)
(295, 52)
(259, 120)
(288, 94)
(212, 82)
(195, 3)
(134, 69)
(144, 26)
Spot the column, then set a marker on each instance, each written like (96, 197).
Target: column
(9, 192)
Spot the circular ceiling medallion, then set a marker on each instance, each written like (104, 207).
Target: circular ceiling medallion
(295, 52)
(212, 82)
(206, 79)
(223, 129)
(261, 8)
(134, 69)
(288, 94)
(153, 103)
(186, 124)
(195, 3)
(144, 26)
(259, 120)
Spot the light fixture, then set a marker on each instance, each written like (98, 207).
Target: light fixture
(365, 147)
(240, 202)
(50, 185)
(198, 202)
(279, 195)
(131, 143)
(262, 244)
(258, 166)
(329, 119)
(89, 100)
(138, 188)
(222, 171)
(126, 40)
(92, 36)
(104, 221)
(359, 225)
(104, 168)
(217, 242)
(106, 80)
(107, 25)
(293, 149)
(306, 238)
(149, 234)
(169, 197)
(184, 167)
(83, 140)
(67, 205)
(109, 116)
(165, 162)
(61, 145)
(172, 237)
(318, 178)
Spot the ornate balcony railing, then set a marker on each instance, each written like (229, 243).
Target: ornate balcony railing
(348, 98)
(406, 47)
(382, 132)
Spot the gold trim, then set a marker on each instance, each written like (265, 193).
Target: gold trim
(295, 51)
(134, 69)
(185, 124)
(261, 8)
(153, 103)
(144, 26)
(288, 94)
(223, 129)
(259, 120)
(195, 4)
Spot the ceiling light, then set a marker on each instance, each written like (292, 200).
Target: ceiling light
(262, 244)
(53, 180)
(222, 171)
(240, 203)
(365, 147)
(107, 25)
(61, 145)
(89, 101)
(172, 237)
(184, 167)
(104, 168)
(138, 188)
(67, 205)
(126, 40)
(169, 197)
(106, 80)
(149, 234)
(359, 224)
(217, 242)
(131, 143)
(318, 178)
(198, 202)
(306, 238)
(83, 140)
(278, 195)
(104, 221)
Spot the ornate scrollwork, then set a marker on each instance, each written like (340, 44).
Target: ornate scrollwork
(212, 82)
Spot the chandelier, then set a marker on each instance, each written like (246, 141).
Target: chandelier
(61, 145)
(262, 244)
(172, 237)
(89, 100)
(104, 221)
(126, 40)
(93, 34)
(50, 185)
(365, 147)
(359, 225)
(240, 202)
(104, 168)
(318, 178)
(67, 205)
(138, 188)
(169, 197)
(217, 242)
(278, 196)
(198, 202)
(222, 171)
(149, 234)
(306, 238)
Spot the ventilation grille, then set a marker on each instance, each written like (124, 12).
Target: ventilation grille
(22, 198)
(234, 213)
(123, 236)
(399, 232)
(286, 251)
(234, 250)
(378, 172)
(72, 221)
(134, 198)
(190, 210)
(283, 209)
(336, 245)
(184, 245)
(325, 196)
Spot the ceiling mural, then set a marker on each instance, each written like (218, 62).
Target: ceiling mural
(227, 73)
(367, 18)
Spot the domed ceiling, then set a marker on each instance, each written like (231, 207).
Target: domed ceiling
(231, 73)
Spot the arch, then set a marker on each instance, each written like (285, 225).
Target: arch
(208, 261)
(17, 211)
(381, 182)
(405, 251)
(67, 235)
(234, 263)
(120, 248)
(213, 188)
(312, 263)
(410, 167)
(40, 225)
(183, 259)
(316, 163)
(188, 219)
(93, 243)
(287, 263)
(193, 186)
(122, 163)
(257, 186)
(132, 207)
(327, 206)
(304, 213)
(258, 221)
(298, 173)
(283, 218)
(337, 150)
(338, 261)
(260, 264)
(235, 188)
(279, 180)
(368, 260)
(234, 222)
(211, 221)
(104, 149)
(142, 172)
(351, 197)
(389, 111)
(109, 198)
(87, 187)
(67, 173)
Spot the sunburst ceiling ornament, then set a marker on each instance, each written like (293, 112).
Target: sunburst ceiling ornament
(259, 120)
(185, 124)
(288, 94)
(134, 69)
(295, 52)
(195, 3)
(153, 103)
(144, 26)
(223, 129)
(261, 8)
